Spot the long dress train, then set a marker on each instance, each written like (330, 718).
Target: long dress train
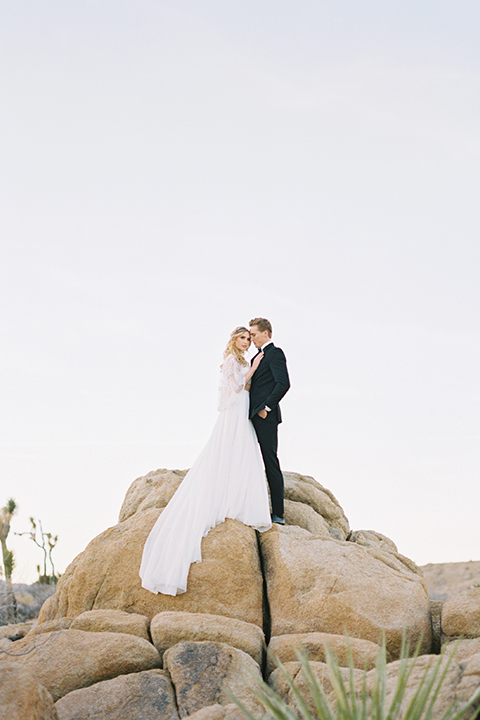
(226, 481)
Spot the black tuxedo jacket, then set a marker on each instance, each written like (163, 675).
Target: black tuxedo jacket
(269, 383)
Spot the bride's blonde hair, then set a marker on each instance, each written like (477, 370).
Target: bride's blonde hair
(231, 348)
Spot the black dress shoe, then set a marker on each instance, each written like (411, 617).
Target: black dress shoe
(278, 520)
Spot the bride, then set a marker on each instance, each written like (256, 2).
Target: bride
(226, 481)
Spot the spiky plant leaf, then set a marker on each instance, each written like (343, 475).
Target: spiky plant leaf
(8, 563)
(352, 700)
(11, 506)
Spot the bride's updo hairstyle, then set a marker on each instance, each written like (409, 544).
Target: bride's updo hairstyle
(231, 348)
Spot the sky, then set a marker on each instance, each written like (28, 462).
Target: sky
(169, 170)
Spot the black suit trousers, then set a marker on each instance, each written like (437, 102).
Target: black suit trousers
(267, 434)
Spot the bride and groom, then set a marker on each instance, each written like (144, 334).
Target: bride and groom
(228, 478)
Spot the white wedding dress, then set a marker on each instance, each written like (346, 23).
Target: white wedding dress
(226, 481)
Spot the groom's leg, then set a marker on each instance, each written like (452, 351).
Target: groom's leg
(267, 434)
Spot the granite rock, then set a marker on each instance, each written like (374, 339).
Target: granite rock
(22, 697)
(206, 673)
(317, 585)
(66, 660)
(169, 628)
(116, 621)
(105, 575)
(146, 695)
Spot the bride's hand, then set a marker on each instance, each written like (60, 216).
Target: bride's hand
(257, 361)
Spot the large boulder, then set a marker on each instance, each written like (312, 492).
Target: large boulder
(116, 621)
(454, 687)
(304, 516)
(470, 682)
(302, 493)
(278, 682)
(67, 660)
(304, 489)
(284, 648)
(150, 491)
(207, 673)
(317, 585)
(382, 548)
(461, 614)
(137, 696)
(22, 697)
(467, 654)
(105, 575)
(463, 650)
(169, 628)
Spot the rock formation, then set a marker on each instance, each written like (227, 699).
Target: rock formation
(461, 614)
(458, 683)
(66, 660)
(22, 697)
(136, 696)
(102, 639)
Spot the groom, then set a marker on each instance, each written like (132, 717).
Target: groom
(269, 384)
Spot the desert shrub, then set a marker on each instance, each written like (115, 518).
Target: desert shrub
(352, 699)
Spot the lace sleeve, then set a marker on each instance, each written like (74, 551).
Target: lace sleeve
(232, 381)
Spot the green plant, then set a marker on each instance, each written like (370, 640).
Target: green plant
(352, 698)
(6, 514)
(9, 563)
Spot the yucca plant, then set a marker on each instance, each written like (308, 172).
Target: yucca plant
(6, 514)
(368, 697)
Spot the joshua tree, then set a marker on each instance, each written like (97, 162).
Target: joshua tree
(46, 542)
(6, 514)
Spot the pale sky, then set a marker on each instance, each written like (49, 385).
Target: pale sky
(170, 170)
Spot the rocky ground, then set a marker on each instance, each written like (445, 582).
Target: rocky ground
(29, 600)
(446, 579)
(106, 649)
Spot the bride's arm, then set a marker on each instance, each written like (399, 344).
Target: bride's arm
(251, 372)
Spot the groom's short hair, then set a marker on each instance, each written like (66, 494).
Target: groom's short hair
(262, 324)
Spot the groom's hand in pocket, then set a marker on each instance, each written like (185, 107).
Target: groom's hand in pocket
(263, 413)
